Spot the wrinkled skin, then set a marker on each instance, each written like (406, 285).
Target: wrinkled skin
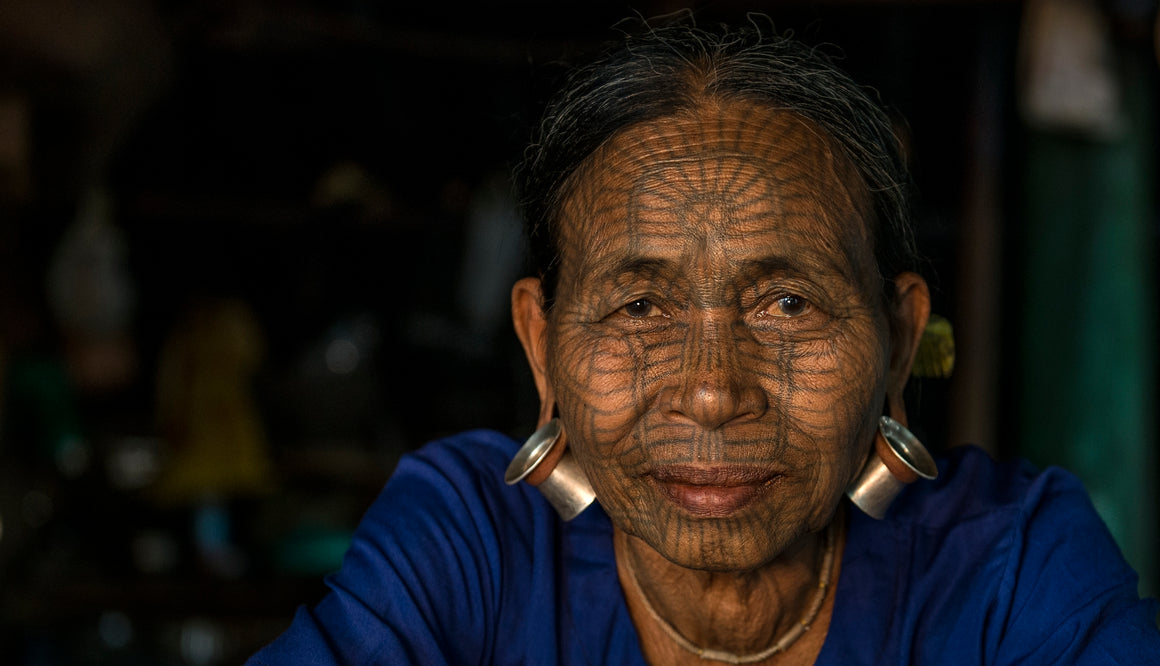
(719, 323)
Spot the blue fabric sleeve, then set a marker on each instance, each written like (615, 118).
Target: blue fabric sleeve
(421, 581)
(1067, 594)
(990, 564)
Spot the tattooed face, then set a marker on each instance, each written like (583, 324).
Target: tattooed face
(718, 348)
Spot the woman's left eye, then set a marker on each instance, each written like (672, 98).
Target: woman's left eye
(789, 306)
(641, 308)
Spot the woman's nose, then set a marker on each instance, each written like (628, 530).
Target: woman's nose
(717, 384)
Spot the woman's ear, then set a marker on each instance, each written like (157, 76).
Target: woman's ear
(911, 310)
(531, 324)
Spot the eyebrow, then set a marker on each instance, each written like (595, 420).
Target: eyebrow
(641, 266)
(769, 265)
(799, 264)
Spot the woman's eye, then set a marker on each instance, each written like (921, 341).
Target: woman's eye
(790, 306)
(640, 308)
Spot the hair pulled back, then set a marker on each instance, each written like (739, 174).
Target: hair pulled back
(663, 71)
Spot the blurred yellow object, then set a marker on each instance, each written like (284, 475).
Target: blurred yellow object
(205, 408)
(936, 350)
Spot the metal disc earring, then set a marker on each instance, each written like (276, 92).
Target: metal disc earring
(545, 462)
(898, 459)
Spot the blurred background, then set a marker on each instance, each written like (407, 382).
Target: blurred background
(252, 251)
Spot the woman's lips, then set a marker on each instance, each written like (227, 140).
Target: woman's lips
(712, 492)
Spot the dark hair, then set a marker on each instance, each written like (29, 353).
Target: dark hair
(663, 71)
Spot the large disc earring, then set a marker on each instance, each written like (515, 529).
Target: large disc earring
(898, 459)
(545, 462)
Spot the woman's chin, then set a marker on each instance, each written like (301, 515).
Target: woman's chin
(723, 555)
(743, 542)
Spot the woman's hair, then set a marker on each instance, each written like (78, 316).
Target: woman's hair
(666, 70)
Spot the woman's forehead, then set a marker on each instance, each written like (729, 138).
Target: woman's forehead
(736, 176)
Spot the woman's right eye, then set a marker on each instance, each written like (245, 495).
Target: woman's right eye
(641, 308)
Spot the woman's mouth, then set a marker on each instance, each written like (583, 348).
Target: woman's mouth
(712, 492)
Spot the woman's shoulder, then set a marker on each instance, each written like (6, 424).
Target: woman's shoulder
(1000, 562)
(974, 485)
(460, 477)
(480, 451)
(439, 567)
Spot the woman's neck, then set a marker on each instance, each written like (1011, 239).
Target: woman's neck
(739, 613)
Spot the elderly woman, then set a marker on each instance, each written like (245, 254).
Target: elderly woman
(723, 311)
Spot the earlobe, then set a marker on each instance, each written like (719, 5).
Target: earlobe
(531, 324)
(911, 310)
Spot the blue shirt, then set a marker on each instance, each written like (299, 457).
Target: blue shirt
(992, 563)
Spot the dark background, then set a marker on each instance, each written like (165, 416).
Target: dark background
(320, 166)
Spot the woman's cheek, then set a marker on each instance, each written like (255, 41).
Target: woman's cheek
(600, 384)
(838, 377)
